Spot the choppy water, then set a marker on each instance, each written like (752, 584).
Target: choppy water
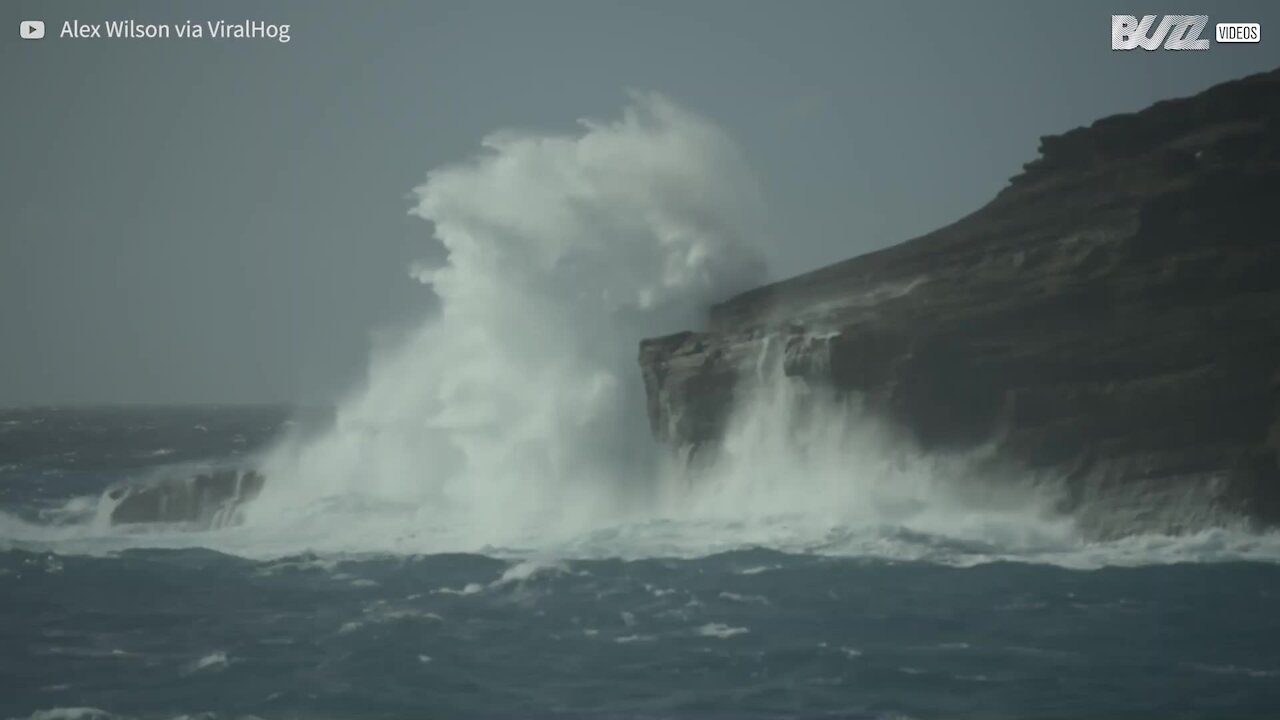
(486, 530)
(155, 632)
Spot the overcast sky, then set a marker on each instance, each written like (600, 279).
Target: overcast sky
(227, 221)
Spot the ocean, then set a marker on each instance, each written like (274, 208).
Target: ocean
(486, 527)
(102, 622)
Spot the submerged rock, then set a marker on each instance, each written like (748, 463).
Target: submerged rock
(1111, 318)
(206, 499)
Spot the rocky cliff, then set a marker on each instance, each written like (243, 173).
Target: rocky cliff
(1111, 318)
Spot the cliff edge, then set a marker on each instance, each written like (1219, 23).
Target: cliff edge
(1110, 318)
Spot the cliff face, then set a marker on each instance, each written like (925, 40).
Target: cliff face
(1112, 317)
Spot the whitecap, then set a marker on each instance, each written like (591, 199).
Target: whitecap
(720, 630)
(213, 661)
(627, 639)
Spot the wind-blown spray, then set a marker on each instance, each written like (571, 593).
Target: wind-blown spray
(515, 419)
(519, 407)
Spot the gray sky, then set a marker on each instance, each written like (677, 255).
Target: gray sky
(226, 221)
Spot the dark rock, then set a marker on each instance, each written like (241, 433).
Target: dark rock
(206, 499)
(1111, 317)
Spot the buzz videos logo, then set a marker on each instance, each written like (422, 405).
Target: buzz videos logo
(1176, 32)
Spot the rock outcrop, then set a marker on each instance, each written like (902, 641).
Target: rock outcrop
(1112, 318)
(207, 499)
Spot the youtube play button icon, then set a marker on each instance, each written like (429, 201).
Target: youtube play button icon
(31, 29)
